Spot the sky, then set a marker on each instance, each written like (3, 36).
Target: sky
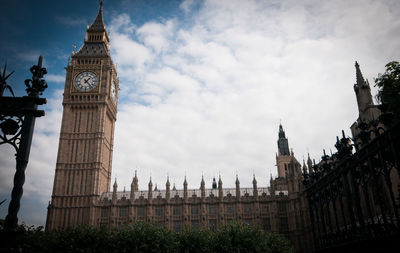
(204, 85)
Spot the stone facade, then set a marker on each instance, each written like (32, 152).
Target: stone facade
(278, 208)
(83, 170)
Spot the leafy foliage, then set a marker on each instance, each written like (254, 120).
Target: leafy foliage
(143, 237)
(389, 92)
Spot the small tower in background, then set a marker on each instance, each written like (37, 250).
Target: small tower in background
(283, 157)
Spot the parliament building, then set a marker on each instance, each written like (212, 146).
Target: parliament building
(82, 182)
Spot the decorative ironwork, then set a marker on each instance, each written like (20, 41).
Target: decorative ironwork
(17, 121)
(3, 81)
(352, 198)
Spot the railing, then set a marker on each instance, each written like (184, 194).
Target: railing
(354, 198)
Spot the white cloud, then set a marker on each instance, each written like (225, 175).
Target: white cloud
(155, 35)
(55, 78)
(186, 5)
(207, 98)
(214, 92)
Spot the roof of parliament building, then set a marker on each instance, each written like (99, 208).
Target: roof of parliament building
(227, 192)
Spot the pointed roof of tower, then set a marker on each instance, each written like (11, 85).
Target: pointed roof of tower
(281, 132)
(135, 179)
(283, 143)
(115, 183)
(98, 24)
(214, 184)
(237, 179)
(360, 81)
(185, 182)
(254, 179)
(95, 43)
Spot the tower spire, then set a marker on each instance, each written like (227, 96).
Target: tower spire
(360, 81)
(96, 33)
(283, 144)
(363, 91)
(98, 24)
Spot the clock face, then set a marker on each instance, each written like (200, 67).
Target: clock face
(86, 81)
(113, 91)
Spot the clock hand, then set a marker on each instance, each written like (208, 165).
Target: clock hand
(86, 80)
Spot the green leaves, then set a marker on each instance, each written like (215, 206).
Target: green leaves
(389, 93)
(143, 237)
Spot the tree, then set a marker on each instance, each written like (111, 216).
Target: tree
(389, 93)
(145, 237)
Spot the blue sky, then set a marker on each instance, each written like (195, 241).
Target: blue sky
(204, 84)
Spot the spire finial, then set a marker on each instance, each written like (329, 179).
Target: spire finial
(98, 24)
(254, 179)
(360, 81)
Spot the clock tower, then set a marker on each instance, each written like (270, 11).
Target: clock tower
(83, 169)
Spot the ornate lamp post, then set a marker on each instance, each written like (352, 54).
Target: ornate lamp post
(17, 121)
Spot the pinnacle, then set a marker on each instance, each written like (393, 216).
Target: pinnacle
(360, 81)
(98, 24)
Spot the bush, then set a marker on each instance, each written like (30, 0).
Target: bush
(143, 237)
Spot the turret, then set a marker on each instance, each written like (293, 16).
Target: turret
(185, 190)
(272, 185)
(363, 92)
(305, 172)
(214, 184)
(220, 190)
(150, 192)
(310, 165)
(203, 188)
(133, 188)
(167, 191)
(135, 183)
(283, 144)
(237, 183)
(114, 193)
(255, 190)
